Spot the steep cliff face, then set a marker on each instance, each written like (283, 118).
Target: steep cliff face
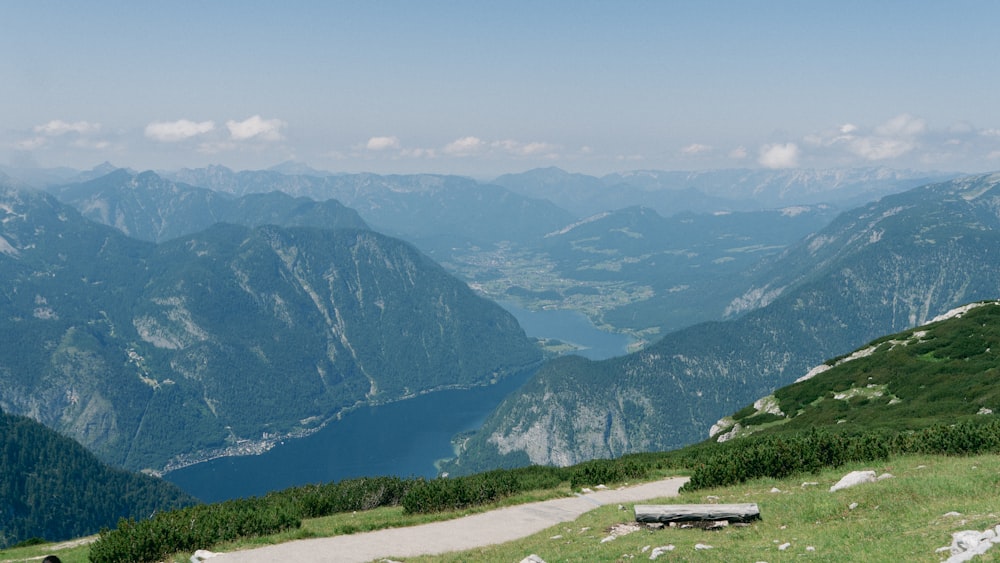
(145, 353)
(882, 268)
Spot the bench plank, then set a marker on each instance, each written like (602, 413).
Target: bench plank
(696, 512)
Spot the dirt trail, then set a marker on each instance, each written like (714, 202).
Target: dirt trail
(497, 526)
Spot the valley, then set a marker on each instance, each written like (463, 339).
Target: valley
(652, 327)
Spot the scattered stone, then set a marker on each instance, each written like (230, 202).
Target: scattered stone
(854, 478)
(810, 548)
(557, 537)
(622, 507)
(985, 410)
(585, 490)
(809, 484)
(921, 467)
(718, 525)
(645, 549)
(201, 555)
(601, 487)
(852, 506)
(953, 514)
(712, 498)
(619, 530)
(663, 549)
(532, 559)
(784, 546)
(884, 476)
(775, 490)
(967, 544)
(702, 546)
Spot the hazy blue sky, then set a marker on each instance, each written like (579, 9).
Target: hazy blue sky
(483, 88)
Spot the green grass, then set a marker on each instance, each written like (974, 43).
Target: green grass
(900, 519)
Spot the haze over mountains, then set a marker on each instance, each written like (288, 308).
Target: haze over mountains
(880, 268)
(163, 347)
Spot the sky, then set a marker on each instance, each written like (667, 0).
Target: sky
(482, 88)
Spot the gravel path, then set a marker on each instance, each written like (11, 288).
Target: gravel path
(487, 528)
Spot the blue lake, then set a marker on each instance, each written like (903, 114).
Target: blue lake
(403, 438)
(572, 327)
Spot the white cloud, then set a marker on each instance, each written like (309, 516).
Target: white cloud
(466, 146)
(256, 127)
(172, 131)
(31, 144)
(880, 148)
(58, 127)
(518, 148)
(696, 148)
(382, 143)
(419, 153)
(739, 153)
(903, 125)
(779, 155)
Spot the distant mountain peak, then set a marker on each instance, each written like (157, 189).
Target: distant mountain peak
(297, 168)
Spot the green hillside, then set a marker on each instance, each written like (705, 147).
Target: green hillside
(51, 487)
(943, 372)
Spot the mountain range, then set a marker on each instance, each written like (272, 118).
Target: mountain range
(881, 268)
(222, 341)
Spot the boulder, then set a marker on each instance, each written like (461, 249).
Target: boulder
(854, 478)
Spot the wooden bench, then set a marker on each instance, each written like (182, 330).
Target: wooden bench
(696, 512)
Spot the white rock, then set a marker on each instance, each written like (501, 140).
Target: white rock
(852, 506)
(775, 490)
(884, 476)
(601, 487)
(854, 478)
(809, 484)
(965, 540)
(585, 490)
(784, 546)
(702, 546)
(953, 514)
(532, 559)
(201, 555)
(645, 549)
(609, 538)
(559, 537)
(810, 548)
(658, 551)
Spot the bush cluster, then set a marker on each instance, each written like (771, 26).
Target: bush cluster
(191, 528)
(779, 456)
(202, 526)
(601, 471)
(460, 492)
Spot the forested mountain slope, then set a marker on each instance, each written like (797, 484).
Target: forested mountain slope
(221, 341)
(53, 488)
(882, 268)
